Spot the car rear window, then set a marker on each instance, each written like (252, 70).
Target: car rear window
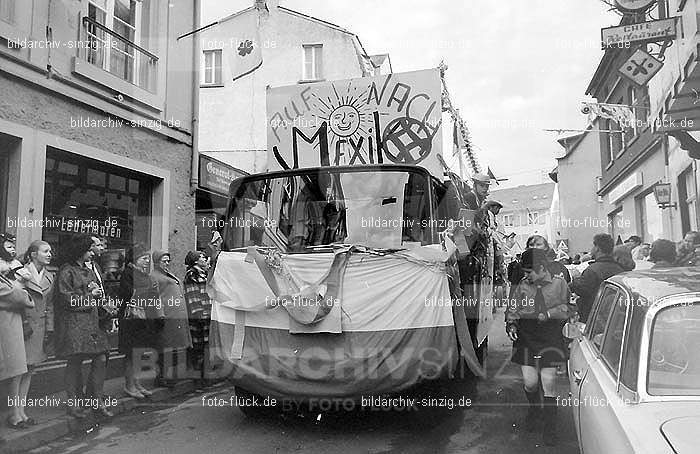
(674, 356)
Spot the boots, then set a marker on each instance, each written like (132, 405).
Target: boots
(549, 420)
(534, 411)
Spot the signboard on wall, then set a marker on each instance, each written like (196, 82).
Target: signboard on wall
(644, 32)
(387, 119)
(216, 176)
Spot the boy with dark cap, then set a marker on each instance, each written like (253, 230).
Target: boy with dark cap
(534, 323)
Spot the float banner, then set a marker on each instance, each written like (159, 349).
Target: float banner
(394, 334)
(388, 119)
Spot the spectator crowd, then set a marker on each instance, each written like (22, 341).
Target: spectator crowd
(62, 309)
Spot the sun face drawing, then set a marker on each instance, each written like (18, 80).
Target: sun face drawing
(344, 121)
(346, 112)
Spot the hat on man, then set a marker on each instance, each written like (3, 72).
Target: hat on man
(633, 239)
(490, 203)
(481, 178)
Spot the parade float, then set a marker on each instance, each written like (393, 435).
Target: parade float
(337, 277)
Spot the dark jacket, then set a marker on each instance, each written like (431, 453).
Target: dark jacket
(586, 285)
(176, 332)
(76, 319)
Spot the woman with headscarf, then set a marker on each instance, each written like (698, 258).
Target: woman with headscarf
(623, 257)
(78, 333)
(137, 290)
(198, 307)
(38, 282)
(175, 335)
(13, 358)
(8, 255)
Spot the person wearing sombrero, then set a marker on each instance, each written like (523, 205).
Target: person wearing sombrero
(175, 335)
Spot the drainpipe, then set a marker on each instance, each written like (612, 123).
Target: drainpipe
(196, 45)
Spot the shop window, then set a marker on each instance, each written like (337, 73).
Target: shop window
(79, 198)
(688, 198)
(212, 67)
(650, 217)
(616, 221)
(313, 61)
(508, 220)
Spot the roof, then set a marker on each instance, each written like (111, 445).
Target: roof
(379, 59)
(655, 284)
(365, 60)
(525, 197)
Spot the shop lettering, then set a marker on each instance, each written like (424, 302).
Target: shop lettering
(107, 228)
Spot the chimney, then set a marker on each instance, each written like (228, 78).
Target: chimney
(270, 5)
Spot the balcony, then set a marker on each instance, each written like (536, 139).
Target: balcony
(107, 57)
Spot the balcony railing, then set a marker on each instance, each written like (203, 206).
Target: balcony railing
(107, 49)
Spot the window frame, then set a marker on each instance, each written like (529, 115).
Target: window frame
(316, 62)
(619, 301)
(10, 7)
(590, 323)
(533, 217)
(108, 47)
(216, 72)
(688, 201)
(508, 220)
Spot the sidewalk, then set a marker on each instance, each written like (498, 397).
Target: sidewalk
(53, 422)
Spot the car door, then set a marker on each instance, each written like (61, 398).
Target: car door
(600, 426)
(582, 353)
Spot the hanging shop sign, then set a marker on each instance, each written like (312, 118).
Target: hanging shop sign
(216, 176)
(623, 36)
(640, 67)
(633, 6)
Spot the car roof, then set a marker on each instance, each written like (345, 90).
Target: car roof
(655, 284)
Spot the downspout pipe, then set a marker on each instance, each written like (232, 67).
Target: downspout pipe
(196, 52)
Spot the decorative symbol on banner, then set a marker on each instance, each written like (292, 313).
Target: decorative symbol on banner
(345, 120)
(418, 144)
(245, 48)
(697, 96)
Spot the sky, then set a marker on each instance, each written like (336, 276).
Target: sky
(514, 67)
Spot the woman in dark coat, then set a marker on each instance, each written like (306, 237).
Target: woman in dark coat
(78, 334)
(136, 288)
(198, 307)
(175, 337)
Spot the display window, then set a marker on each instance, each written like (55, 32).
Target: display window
(86, 196)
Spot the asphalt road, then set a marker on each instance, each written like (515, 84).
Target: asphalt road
(209, 423)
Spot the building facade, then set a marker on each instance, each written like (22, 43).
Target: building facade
(659, 146)
(96, 107)
(526, 211)
(296, 49)
(578, 180)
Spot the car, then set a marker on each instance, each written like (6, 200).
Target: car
(634, 367)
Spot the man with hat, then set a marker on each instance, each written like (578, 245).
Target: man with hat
(480, 190)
